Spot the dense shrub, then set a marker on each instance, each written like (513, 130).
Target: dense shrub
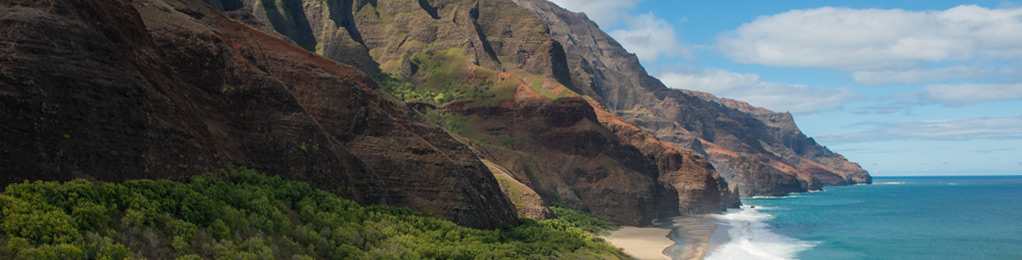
(254, 216)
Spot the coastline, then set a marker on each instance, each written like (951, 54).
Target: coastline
(696, 236)
(642, 242)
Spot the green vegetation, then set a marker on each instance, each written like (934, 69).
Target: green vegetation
(456, 123)
(586, 221)
(442, 77)
(437, 94)
(253, 216)
(405, 91)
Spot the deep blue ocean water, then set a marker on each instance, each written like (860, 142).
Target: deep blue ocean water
(895, 218)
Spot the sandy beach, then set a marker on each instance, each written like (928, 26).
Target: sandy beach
(642, 242)
(700, 233)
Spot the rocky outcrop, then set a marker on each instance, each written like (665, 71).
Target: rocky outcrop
(789, 143)
(521, 110)
(528, 203)
(758, 151)
(116, 90)
(698, 185)
(371, 34)
(567, 151)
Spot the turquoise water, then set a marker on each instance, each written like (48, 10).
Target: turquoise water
(895, 218)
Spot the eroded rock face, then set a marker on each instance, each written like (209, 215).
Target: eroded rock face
(567, 151)
(758, 151)
(697, 184)
(371, 33)
(560, 150)
(556, 147)
(116, 90)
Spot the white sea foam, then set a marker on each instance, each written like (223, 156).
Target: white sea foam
(769, 197)
(750, 237)
(889, 183)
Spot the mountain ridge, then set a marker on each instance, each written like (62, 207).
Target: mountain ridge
(482, 69)
(171, 89)
(740, 140)
(478, 112)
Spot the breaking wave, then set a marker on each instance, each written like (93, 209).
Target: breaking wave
(750, 237)
(889, 183)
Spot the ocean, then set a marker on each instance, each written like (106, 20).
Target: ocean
(894, 218)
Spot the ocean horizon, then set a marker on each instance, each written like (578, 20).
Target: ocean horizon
(896, 217)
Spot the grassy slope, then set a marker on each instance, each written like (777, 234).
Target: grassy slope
(253, 216)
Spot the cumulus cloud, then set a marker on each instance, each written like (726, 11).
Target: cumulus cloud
(604, 12)
(794, 98)
(913, 76)
(997, 128)
(649, 38)
(966, 94)
(875, 39)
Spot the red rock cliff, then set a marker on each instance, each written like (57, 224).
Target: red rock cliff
(758, 151)
(117, 90)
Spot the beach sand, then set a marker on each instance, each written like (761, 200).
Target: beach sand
(642, 242)
(699, 233)
(687, 238)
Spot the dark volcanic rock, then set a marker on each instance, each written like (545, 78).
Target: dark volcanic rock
(114, 91)
(567, 151)
(558, 148)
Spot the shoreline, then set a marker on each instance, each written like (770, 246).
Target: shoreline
(642, 242)
(696, 236)
(684, 237)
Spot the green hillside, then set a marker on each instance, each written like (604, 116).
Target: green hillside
(253, 216)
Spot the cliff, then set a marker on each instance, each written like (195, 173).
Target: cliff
(758, 151)
(116, 90)
(468, 110)
(490, 71)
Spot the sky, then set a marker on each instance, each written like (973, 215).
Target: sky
(902, 87)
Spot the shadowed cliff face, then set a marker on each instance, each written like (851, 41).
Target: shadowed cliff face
(567, 151)
(760, 152)
(560, 150)
(114, 90)
(507, 88)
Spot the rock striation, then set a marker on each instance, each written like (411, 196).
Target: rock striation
(497, 108)
(758, 151)
(115, 90)
(525, 115)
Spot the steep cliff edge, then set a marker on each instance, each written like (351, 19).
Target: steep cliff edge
(758, 151)
(491, 72)
(117, 90)
(566, 151)
(795, 147)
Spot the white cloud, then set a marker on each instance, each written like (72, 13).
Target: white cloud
(965, 94)
(997, 128)
(913, 76)
(875, 39)
(794, 98)
(649, 38)
(604, 12)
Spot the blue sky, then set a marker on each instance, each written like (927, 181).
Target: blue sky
(901, 87)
